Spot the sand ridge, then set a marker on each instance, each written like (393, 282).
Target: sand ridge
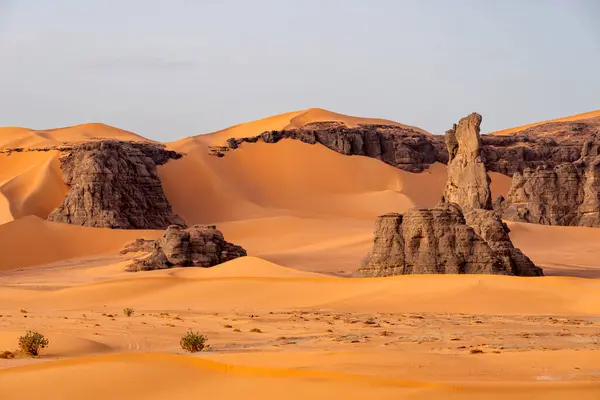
(576, 117)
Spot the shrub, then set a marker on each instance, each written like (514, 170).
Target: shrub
(227, 326)
(237, 330)
(476, 351)
(128, 311)
(32, 342)
(192, 342)
(255, 330)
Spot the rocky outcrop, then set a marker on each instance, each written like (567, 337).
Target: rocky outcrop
(443, 240)
(490, 227)
(114, 184)
(468, 184)
(547, 144)
(199, 246)
(567, 194)
(400, 147)
(439, 241)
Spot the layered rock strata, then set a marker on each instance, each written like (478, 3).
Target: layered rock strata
(439, 241)
(114, 184)
(547, 144)
(567, 194)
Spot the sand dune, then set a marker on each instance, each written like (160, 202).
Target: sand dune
(291, 120)
(30, 184)
(576, 117)
(13, 137)
(32, 241)
(184, 377)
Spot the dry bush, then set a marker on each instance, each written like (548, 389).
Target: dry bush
(128, 311)
(193, 342)
(32, 342)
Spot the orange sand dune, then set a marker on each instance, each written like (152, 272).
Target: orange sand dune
(237, 286)
(262, 180)
(30, 184)
(576, 117)
(291, 120)
(13, 137)
(176, 377)
(32, 241)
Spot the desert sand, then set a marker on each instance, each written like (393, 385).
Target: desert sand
(576, 117)
(305, 214)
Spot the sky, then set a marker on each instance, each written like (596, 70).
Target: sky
(167, 69)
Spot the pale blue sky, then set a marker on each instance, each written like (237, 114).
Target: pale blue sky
(173, 68)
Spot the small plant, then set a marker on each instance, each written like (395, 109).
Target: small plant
(24, 311)
(32, 342)
(227, 326)
(476, 351)
(128, 311)
(255, 330)
(236, 330)
(192, 342)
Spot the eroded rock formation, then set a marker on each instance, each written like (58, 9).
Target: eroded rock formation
(198, 246)
(547, 144)
(400, 147)
(439, 241)
(468, 184)
(443, 240)
(489, 226)
(567, 194)
(114, 184)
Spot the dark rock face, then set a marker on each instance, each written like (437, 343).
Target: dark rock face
(468, 184)
(400, 147)
(547, 144)
(199, 246)
(114, 184)
(439, 241)
(567, 194)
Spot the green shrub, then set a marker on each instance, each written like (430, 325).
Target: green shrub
(32, 342)
(192, 342)
(128, 311)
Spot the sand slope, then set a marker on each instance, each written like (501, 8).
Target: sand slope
(576, 117)
(292, 120)
(32, 241)
(12, 137)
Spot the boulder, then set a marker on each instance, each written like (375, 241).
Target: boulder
(198, 246)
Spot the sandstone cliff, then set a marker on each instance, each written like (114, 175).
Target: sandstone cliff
(439, 241)
(114, 184)
(566, 194)
(400, 147)
(198, 246)
(546, 144)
